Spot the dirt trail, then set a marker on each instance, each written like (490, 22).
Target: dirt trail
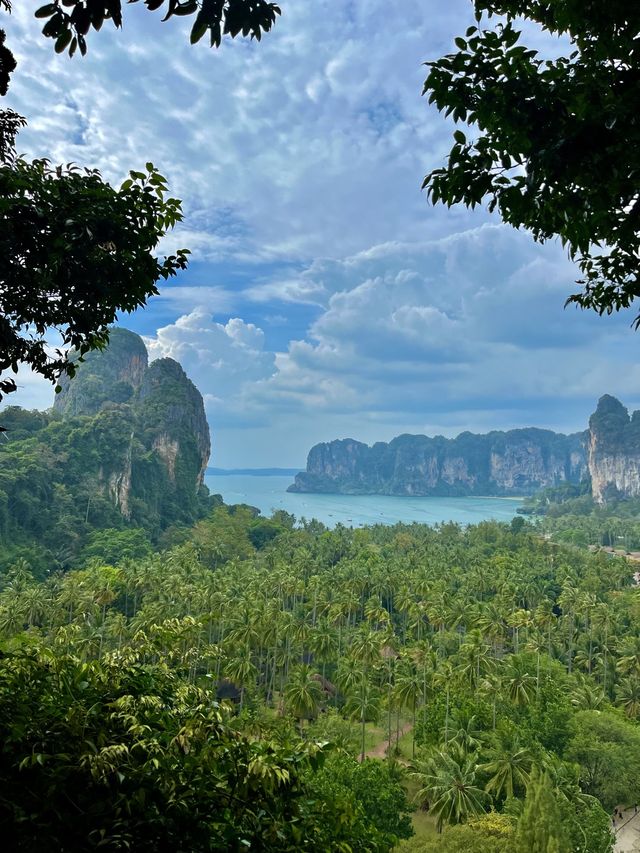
(380, 751)
(628, 832)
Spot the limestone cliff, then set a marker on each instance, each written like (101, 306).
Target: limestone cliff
(614, 451)
(517, 462)
(155, 464)
(111, 376)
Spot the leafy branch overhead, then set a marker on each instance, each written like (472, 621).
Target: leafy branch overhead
(75, 251)
(556, 142)
(69, 21)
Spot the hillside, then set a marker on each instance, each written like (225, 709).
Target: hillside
(124, 448)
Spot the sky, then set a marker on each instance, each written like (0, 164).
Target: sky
(325, 298)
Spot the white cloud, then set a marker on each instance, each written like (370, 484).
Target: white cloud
(313, 142)
(221, 359)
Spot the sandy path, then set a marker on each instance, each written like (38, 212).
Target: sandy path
(380, 751)
(628, 832)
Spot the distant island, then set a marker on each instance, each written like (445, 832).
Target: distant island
(515, 463)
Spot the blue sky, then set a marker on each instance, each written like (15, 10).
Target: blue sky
(325, 297)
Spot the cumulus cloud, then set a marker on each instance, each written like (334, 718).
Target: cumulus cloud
(470, 323)
(223, 360)
(313, 142)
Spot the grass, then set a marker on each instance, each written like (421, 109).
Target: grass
(377, 734)
(424, 825)
(405, 746)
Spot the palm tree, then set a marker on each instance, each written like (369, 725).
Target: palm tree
(323, 644)
(303, 693)
(408, 688)
(570, 600)
(520, 684)
(443, 677)
(628, 696)
(474, 657)
(448, 784)
(509, 764)
(241, 670)
(587, 696)
(629, 660)
(364, 706)
(467, 737)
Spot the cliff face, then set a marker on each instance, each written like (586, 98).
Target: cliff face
(518, 462)
(158, 461)
(614, 451)
(111, 376)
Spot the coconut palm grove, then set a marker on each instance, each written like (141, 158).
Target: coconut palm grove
(276, 686)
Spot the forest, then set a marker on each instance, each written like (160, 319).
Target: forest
(181, 675)
(273, 685)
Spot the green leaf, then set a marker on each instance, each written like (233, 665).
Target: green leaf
(459, 137)
(46, 11)
(62, 41)
(199, 29)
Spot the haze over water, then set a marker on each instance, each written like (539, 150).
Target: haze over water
(270, 493)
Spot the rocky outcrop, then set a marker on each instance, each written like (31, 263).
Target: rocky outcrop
(113, 375)
(172, 416)
(614, 451)
(159, 467)
(518, 462)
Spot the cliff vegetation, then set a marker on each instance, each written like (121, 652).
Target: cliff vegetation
(519, 462)
(124, 449)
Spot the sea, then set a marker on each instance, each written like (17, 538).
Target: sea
(269, 493)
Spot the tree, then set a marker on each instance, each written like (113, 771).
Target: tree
(379, 800)
(117, 755)
(407, 691)
(509, 764)
(303, 693)
(69, 21)
(489, 833)
(74, 252)
(448, 783)
(607, 748)
(557, 145)
(540, 829)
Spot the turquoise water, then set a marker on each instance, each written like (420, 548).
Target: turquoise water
(270, 493)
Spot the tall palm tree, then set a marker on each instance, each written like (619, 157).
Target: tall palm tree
(303, 693)
(448, 784)
(587, 696)
(408, 689)
(628, 696)
(520, 684)
(363, 705)
(241, 670)
(444, 678)
(509, 765)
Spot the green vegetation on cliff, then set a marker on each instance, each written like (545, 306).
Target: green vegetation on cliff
(124, 449)
(517, 462)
